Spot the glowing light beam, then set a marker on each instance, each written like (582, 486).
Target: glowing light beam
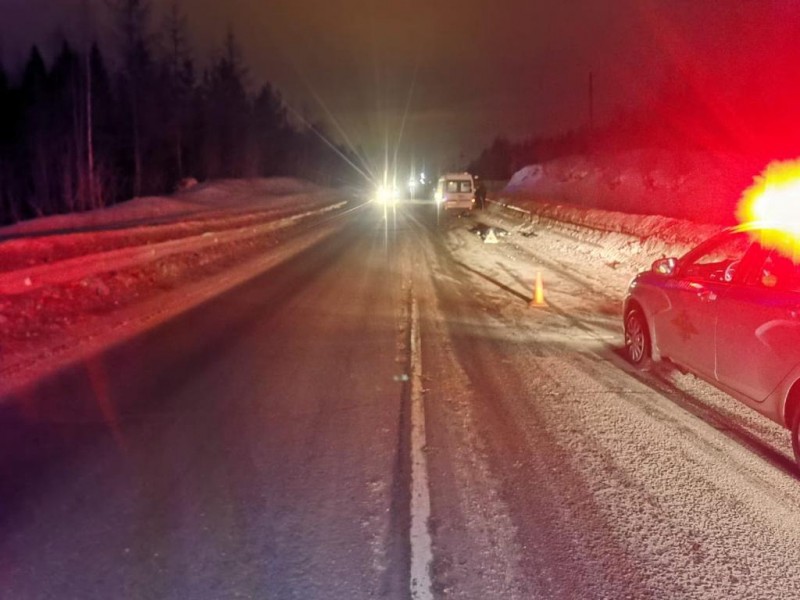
(772, 204)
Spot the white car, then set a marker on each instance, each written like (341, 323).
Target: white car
(455, 191)
(729, 312)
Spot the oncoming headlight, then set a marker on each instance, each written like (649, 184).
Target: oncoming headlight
(386, 194)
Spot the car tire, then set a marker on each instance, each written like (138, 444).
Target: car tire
(637, 338)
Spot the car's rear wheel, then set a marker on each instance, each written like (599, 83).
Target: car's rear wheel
(637, 338)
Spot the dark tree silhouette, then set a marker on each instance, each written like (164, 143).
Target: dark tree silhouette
(132, 21)
(77, 136)
(36, 122)
(227, 114)
(272, 131)
(179, 82)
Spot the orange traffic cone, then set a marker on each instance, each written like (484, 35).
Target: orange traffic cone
(538, 292)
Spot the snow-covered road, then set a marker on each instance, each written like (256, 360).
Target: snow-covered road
(599, 481)
(265, 442)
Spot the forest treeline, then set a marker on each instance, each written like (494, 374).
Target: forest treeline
(681, 117)
(77, 134)
(678, 128)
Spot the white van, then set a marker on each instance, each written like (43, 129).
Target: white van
(455, 191)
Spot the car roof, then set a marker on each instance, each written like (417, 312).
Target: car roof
(464, 175)
(784, 237)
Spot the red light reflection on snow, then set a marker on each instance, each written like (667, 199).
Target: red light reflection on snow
(99, 385)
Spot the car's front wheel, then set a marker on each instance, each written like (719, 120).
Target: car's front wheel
(637, 338)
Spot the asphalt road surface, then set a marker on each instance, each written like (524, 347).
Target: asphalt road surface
(384, 416)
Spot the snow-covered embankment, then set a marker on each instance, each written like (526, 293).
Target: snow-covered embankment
(71, 284)
(624, 202)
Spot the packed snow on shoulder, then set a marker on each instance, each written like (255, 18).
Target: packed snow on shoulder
(205, 199)
(69, 280)
(637, 206)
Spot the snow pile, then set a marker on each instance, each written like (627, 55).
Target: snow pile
(675, 236)
(245, 195)
(637, 206)
(526, 178)
(66, 278)
(627, 242)
(212, 207)
(698, 186)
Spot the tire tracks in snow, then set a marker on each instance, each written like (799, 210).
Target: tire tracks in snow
(657, 481)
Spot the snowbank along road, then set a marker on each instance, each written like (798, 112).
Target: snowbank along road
(72, 284)
(383, 414)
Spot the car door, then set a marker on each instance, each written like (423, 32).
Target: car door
(758, 328)
(687, 329)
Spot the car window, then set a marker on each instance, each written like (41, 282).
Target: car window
(779, 272)
(458, 185)
(719, 260)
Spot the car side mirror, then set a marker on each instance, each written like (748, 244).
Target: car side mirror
(665, 266)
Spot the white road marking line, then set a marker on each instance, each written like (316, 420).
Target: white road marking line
(420, 536)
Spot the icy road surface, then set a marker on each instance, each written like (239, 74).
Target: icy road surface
(260, 445)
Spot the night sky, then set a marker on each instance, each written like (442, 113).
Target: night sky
(467, 70)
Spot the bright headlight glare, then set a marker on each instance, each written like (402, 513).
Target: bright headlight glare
(386, 194)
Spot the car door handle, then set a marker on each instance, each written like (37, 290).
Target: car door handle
(793, 312)
(706, 296)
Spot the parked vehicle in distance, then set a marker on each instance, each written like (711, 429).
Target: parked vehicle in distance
(455, 191)
(729, 312)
